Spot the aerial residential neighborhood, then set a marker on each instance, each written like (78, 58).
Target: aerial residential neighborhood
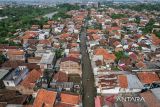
(80, 54)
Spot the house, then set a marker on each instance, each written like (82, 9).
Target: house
(16, 76)
(45, 42)
(47, 61)
(3, 48)
(12, 98)
(60, 77)
(108, 57)
(43, 36)
(70, 65)
(28, 35)
(115, 83)
(155, 40)
(16, 55)
(65, 86)
(28, 84)
(68, 100)
(45, 98)
(34, 60)
(15, 64)
(3, 73)
(75, 54)
(118, 47)
(129, 83)
(148, 77)
(46, 26)
(35, 27)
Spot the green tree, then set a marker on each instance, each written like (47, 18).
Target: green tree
(119, 55)
(149, 26)
(58, 53)
(2, 58)
(118, 16)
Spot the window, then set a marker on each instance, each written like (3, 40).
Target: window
(7, 83)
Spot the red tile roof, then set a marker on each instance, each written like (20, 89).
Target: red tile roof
(70, 99)
(29, 35)
(123, 82)
(148, 77)
(106, 55)
(116, 43)
(92, 31)
(140, 64)
(32, 77)
(61, 77)
(45, 98)
(65, 35)
(133, 56)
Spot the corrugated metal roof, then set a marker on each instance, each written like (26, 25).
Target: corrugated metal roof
(156, 92)
(3, 72)
(47, 58)
(134, 82)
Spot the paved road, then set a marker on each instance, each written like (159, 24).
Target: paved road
(89, 91)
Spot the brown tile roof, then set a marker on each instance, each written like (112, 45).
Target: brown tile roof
(133, 56)
(150, 99)
(31, 66)
(9, 47)
(61, 77)
(12, 64)
(123, 82)
(50, 22)
(45, 98)
(95, 37)
(65, 35)
(32, 41)
(148, 77)
(99, 63)
(46, 26)
(16, 52)
(29, 35)
(12, 97)
(70, 59)
(45, 42)
(140, 64)
(92, 31)
(116, 43)
(126, 61)
(70, 99)
(32, 77)
(74, 54)
(15, 64)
